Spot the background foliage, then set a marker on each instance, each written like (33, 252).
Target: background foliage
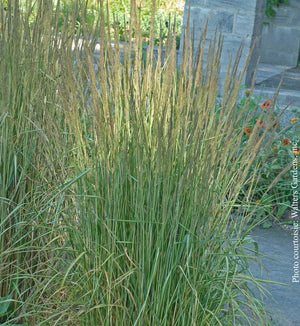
(270, 11)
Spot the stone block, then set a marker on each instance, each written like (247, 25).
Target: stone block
(217, 19)
(284, 58)
(194, 3)
(281, 35)
(232, 44)
(237, 20)
(198, 18)
(244, 24)
(285, 17)
(224, 21)
(238, 5)
(294, 22)
(294, 4)
(280, 38)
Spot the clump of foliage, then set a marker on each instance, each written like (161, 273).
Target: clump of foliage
(119, 178)
(273, 190)
(270, 11)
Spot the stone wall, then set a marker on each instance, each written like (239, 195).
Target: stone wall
(281, 36)
(238, 20)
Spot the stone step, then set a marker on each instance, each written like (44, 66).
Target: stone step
(285, 96)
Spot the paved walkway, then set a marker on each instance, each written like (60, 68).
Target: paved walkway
(277, 243)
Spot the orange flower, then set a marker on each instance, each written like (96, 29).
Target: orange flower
(286, 142)
(266, 105)
(296, 151)
(294, 120)
(248, 131)
(262, 124)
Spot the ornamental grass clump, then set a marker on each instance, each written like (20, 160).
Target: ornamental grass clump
(119, 179)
